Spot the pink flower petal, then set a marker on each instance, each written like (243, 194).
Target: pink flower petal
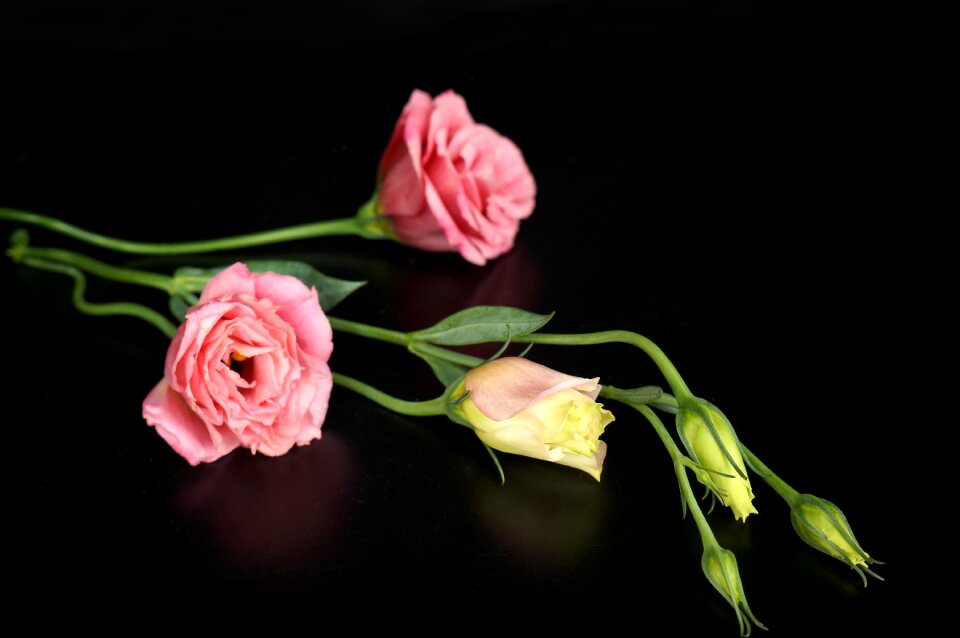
(234, 280)
(505, 387)
(180, 426)
(298, 306)
(459, 186)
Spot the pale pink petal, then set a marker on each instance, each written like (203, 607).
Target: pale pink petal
(473, 181)
(298, 306)
(449, 227)
(415, 121)
(234, 280)
(180, 426)
(505, 387)
(411, 123)
(401, 191)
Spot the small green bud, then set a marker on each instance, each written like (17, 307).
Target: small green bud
(720, 567)
(712, 443)
(823, 526)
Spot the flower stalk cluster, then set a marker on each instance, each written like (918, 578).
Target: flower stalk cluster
(248, 365)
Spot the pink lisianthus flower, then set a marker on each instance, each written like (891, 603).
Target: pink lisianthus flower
(247, 368)
(450, 184)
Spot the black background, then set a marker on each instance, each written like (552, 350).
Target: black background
(737, 182)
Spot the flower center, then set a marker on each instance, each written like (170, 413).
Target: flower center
(241, 365)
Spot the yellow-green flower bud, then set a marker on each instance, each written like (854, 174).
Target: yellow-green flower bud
(521, 407)
(711, 442)
(720, 567)
(822, 525)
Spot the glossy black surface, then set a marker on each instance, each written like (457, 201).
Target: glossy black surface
(741, 191)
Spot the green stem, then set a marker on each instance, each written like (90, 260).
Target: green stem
(459, 358)
(686, 490)
(432, 407)
(787, 493)
(106, 271)
(102, 309)
(660, 358)
(346, 226)
(652, 350)
(372, 332)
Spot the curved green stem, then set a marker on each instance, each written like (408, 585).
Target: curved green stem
(87, 264)
(677, 384)
(346, 226)
(102, 309)
(787, 493)
(433, 407)
(680, 467)
(652, 350)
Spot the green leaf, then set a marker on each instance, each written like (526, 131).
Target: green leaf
(178, 308)
(445, 371)
(330, 290)
(482, 324)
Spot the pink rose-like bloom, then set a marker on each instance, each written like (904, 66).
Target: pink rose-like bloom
(248, 367)
(450, 184)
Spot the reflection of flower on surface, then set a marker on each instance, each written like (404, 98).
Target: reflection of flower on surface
(273, 513)
(428, 293)
(541, 516)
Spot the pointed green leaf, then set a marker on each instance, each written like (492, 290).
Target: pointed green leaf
(330, 290)
(445, 371)
(482, 324)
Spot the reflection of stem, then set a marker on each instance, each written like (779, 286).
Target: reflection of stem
(102, 309)
(346, 226)
(413, 408)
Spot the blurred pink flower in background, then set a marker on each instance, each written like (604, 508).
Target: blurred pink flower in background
(449, 184)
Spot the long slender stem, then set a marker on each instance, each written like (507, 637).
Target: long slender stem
(102, 309)
(652, 350)
(345, 226)
(787, 493)
(706, 534)
(432, 407)
(677, 384)
(94, 267)
(372, 332)
(459, 358)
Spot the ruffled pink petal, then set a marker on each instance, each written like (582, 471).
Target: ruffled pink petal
(298, 306)
(505, 387)
(182, 429)
(401, 191)
(410, 125)
(454, 236)
(232, 281)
